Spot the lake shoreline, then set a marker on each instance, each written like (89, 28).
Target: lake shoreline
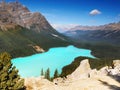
(50, 60)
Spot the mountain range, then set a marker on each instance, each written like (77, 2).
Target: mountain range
(104, 41)
(110, 26)
(109, 33)
(23, 32)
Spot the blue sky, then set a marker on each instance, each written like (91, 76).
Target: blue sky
(76, 12)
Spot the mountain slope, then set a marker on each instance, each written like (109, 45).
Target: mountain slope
(21, 30)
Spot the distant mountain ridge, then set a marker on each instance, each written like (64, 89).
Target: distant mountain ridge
(109, 33)
(22, 30)
(111, 26)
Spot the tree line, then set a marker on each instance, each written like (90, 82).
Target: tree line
(46, 74)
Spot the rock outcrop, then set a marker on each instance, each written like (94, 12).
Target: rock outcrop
(116, 68)
(82, 71)
(38, 49)
(93, 79)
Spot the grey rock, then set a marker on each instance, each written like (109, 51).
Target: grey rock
(17, 13)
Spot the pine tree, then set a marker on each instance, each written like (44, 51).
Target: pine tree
(56, 74)
(9, 78)
(42, 72)
(47, 74)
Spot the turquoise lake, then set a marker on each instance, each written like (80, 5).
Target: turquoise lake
(54, 58)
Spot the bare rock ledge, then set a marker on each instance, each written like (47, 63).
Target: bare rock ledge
(83, 78)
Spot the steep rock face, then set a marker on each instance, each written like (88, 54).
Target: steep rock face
(14, 12)
(82, 71)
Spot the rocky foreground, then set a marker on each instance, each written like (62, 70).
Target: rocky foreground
(83, 78)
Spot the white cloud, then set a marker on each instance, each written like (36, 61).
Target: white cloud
(95, 12)
(63, 27)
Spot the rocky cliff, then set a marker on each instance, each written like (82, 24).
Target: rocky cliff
(83, 78)
(16, 13)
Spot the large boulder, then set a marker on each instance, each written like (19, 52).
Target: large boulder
(93, 73)
(116, 63)
(104, 71)
(116, 68)
(82, 71)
